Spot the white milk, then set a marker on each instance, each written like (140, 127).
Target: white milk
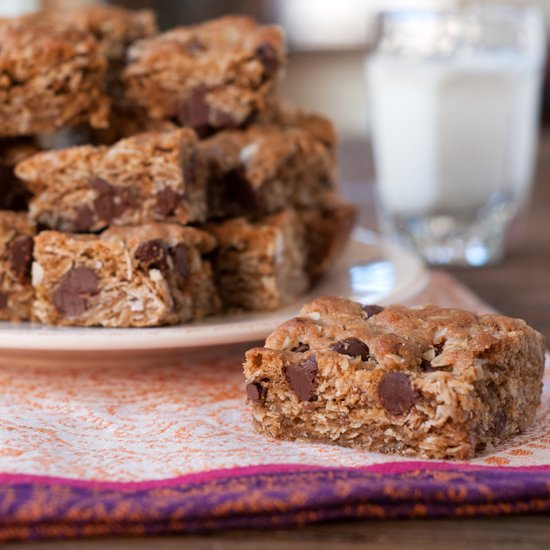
(450, 133)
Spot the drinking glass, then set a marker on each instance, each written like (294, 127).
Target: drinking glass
(454, 103)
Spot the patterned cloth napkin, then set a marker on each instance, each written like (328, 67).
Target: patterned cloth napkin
(146, 450)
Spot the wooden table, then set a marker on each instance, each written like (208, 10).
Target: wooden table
(519, 286)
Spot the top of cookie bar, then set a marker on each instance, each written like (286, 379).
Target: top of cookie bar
(217, 74)
(29, 45)
(422, 339)
(214, 46)
(115, 28)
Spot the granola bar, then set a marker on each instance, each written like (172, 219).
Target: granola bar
(16, 245)
(127, 277)
(426, 381)
(260, 265)
(147, 178)
(217, 74)
(51, 76)
(269, 166)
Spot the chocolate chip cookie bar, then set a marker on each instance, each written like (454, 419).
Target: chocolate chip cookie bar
(16, 245)
(127, 277)
(51, 76)
(260, 265)
(266, 167)
(151, 177)
(218, 74)
(426, 381)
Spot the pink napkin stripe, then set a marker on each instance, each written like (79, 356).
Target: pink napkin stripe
(388, 468)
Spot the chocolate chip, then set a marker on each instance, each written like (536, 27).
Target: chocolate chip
(193, 110)
(352, 347)
(396, 393)
(20, 256)
(372, 309)
(426, 366)
(84, 218)
(3, 300)
(268, 58)
(255, 392)
(111, 201)
(167, 202)
(240, 196)
(301, 377)
(73, 295)
(300, 348)
(439, 348)
(180, 259)
(152, 255)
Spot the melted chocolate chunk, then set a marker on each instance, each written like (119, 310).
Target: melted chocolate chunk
(111, 201)
(396, 393)
(194, 111)
(240, 197)
(352, 347)
(268, 58)
(20, 256)
(152, 255)
(426, 366)
(300, 348)
(372, 309)
(301, 377)
(180, 259)
(3, 300)
(73, 295)
(255, 392)
(84, 218)
(167, 202)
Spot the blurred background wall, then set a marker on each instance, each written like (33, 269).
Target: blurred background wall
(328, 41)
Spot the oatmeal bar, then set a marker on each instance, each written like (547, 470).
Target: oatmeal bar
(150, 177)
(13, 194)
(127, 277)
(266, 167)
(260, 265)
(218, 74)
(50, 76)
(16, 244)
(427, 381)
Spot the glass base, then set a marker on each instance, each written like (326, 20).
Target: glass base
(475, 238)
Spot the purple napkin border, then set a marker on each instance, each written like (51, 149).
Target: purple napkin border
(265, 497)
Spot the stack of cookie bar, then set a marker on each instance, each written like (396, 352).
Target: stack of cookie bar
(195, 190)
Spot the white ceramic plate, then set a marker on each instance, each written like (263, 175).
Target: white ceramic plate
(369, 271)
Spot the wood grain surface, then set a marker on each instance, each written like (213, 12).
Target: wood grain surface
(519, 286)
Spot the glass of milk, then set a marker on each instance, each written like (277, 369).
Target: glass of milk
(454, 102)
